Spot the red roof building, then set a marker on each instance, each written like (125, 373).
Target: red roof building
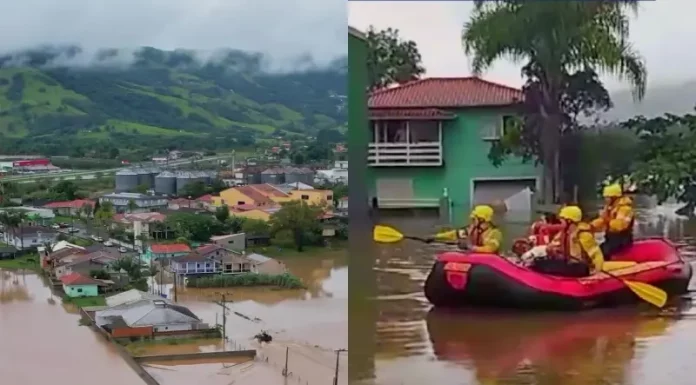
(426, 98)
(170, 248)
(76, 204)
(74, 279)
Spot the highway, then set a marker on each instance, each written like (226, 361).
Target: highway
(91, 174)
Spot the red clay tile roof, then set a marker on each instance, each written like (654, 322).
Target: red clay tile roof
(254, 194)
(205, 198)
(268, 190)
(78, 279)
(170, 248)
(445, 93)
(76, 204)
(205, 249)
(409, 113)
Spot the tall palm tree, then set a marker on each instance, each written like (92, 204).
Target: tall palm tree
(554, 40)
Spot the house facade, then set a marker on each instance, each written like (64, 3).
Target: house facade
(143, 202)
(165, 251)
(429, 144)
(29, 237)
(70, 208)
(78, 285)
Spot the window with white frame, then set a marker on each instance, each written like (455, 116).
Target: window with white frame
(494, 129)
(423, 131)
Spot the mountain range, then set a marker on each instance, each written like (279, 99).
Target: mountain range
(63, 101)
(660, 99)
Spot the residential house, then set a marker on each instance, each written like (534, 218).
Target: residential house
(287, 187)
(84, 263)
(254, 212)
(165, 251)
(195, 263)
(29, 237)
(265, 265)
(129, 297)
(70, 208)
(257, 240)
(142, 224)
(78, 285)
(343, 204)
(53, 259)
(7, 252)
(429, 144)
(230, 241)
(143, 202)
(316, 197)
(147, 318)
(341, 164)
(243, 195)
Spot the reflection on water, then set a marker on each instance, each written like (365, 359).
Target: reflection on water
(416, 345)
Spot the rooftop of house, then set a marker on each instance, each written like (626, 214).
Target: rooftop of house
(75, 204)
(147, 313)
(254, 194)
(431, 94)
(193, 256)
(165, 248)
(268, 190)
(209, 248)
(205, 198)
(129, 196)
(65, 252)
(222, 237)
(140, 217)
(129, 296)
(258, 258)
(74, 279)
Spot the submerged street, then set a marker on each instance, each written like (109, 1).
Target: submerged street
(416, 345)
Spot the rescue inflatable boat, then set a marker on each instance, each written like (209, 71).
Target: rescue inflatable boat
(481, 280)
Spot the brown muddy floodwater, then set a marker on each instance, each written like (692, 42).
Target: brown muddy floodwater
(41, 343)
(416, 345)
(310, 323)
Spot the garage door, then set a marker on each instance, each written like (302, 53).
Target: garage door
(395, 188)
(415, 221)
(515, 193)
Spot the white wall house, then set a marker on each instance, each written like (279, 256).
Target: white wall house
(28, 237)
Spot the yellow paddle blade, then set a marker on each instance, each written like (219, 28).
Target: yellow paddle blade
(386, 234)
(445, 236)
(649, 293)
(617, 265)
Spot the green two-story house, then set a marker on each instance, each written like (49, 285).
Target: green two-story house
(429, 144)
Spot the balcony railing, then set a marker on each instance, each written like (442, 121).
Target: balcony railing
(421, 154)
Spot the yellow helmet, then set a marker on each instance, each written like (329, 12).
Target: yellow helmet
(482, 212)
(612, 191)
(571, 213)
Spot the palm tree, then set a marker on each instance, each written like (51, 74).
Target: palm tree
(554, 40)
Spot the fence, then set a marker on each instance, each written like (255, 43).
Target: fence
(306, 365)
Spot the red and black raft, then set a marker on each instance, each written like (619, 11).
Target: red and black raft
(481, 280)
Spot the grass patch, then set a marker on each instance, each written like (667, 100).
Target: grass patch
(85, 301)
(289, 251)
(26, 262)
(286, 281)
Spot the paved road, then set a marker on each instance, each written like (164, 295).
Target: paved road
(91, 174)
(85, 233)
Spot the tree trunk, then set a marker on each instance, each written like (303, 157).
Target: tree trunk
(299, 240)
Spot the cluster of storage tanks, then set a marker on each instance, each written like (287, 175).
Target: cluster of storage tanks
(163, 182)
(280, 175)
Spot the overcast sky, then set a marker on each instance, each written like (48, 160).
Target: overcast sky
(662, 32)
(283, 29)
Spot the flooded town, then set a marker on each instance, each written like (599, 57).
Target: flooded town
(310, 337)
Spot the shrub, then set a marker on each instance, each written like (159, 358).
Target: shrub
(286, 280)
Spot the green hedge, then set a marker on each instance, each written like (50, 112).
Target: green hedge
(287, 281)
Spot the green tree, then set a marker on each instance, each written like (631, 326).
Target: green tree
(256, 227)
(390, 59)
(132, 206)
(141, 189)
(194, 190)
(194, 227)
(222, 213)
(65, 190)
(556, 41)
(299, 219)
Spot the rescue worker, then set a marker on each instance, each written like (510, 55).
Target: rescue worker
(481, 236)
(573, 252)
(615, 220)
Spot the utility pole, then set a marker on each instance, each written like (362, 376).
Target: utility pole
(175, 283)
(285, 369)
(338, 358)
(223, 304)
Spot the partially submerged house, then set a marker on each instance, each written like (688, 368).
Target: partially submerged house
(78, 285)
(148, 318)
(29, 237)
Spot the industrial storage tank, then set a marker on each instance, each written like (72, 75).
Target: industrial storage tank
(306, 175)
(293, 175)
(183, 178)
(126, 180)
(145, 177)
(165, 183)
(273, 176)
(201, 176)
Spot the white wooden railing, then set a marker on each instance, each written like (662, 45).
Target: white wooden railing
(421, 154)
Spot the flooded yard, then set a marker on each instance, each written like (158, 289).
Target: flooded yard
(416, 345)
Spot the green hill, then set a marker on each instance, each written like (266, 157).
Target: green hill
(162, 99)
